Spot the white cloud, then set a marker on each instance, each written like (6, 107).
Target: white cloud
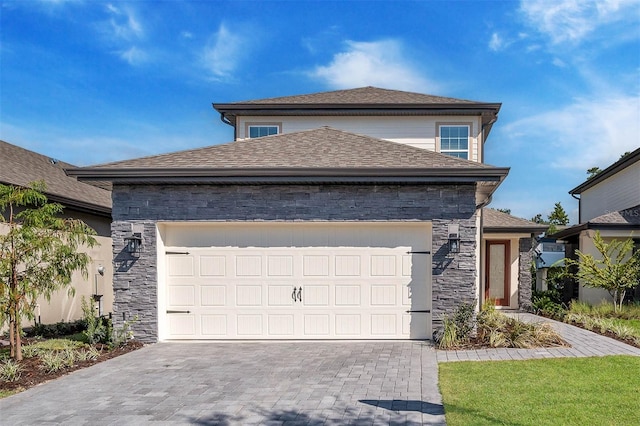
(124, 23)
(134, 56)
(378, 63)
(573, 20)
(589, 132)
(222, 55)
(496, 42)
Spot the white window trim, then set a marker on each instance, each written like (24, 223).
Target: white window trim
(470, 141)
(249, 125)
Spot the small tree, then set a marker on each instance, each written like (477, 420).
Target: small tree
(617, 271)
(38, 254)
(557, 217)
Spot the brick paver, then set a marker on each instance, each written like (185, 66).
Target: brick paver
(244, 383)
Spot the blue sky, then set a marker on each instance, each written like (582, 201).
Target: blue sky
(91, 81)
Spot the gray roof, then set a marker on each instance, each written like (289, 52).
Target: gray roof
(319, 155)
(20, 167)
(318, 148)
(358, 96)
(613, 169)
(364, 101)
(497, 221)
(622, 219)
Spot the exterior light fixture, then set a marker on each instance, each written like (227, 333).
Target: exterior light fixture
(133, 243)
(454, 238)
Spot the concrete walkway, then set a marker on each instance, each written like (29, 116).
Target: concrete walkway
(583, 343)
(244, 383)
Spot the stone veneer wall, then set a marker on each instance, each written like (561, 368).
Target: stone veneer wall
(525, 281)
(141, 206)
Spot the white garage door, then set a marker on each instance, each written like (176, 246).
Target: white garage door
(297, 281)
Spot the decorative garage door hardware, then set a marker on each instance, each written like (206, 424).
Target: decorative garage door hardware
(178, 312)
(177, 252)
(297, 297)
(418, 252)
(425, 311)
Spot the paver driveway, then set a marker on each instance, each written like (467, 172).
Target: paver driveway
(244, 383)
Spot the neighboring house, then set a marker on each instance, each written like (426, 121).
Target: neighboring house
(610, 203)
(20, 167)
(353, 214)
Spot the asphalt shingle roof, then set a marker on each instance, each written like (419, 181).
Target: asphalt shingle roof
(20, 167)
(495, 219)
(630, 216)
(362, 95)
(319, 148)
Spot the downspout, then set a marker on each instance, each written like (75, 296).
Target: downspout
(579, 207)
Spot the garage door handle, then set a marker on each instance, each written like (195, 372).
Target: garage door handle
(178, 312)
(300, 294)
(293, 295)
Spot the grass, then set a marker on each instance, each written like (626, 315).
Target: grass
(563, 391)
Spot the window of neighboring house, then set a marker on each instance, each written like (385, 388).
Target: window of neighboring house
(454, 141)
(258, 131)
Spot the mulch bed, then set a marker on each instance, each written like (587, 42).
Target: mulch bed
(33, 374)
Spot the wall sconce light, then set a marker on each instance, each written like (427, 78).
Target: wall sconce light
(133, 243)
(454, 238)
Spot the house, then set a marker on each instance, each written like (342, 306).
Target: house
(20, 167)
(609, 203)
(352, 214)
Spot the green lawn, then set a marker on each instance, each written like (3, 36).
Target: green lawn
(563, 391)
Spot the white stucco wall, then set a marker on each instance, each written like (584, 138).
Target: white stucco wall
(418, 131)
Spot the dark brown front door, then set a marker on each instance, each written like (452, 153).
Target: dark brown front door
(498, 272)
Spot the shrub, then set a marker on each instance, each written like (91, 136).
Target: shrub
(456, 329)
(10, 370)
(546, 303)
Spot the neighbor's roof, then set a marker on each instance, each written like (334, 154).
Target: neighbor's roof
(319, 155)
(622, 219)
(361, 101)
(19, 166)
(497, 221)
(613, 169)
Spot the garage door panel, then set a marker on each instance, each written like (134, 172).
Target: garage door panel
(349, 325)
(249, 295)
(248, 266)
(347, 295)
(347, 266)
(280, 295)
(213, 295)
(182, 295)
(317, 325)
(315, 295)
(181, 266)
(280, 266)
(213, 266)
(383, 295)
(249, 325)
(357, 282)
(281, 325)
(214, 325)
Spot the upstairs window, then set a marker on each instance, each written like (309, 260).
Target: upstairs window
(258, 131)
(454, 141)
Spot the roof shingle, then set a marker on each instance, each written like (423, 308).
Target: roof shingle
(319, 148)
(20, 167)
(362, 95)
(495, 220)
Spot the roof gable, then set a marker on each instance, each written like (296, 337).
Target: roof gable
(19, 166)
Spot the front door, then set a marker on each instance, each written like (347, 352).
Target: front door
(498, 272)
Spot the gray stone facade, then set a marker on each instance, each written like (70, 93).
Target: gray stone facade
(141, 206)
(525, 281)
